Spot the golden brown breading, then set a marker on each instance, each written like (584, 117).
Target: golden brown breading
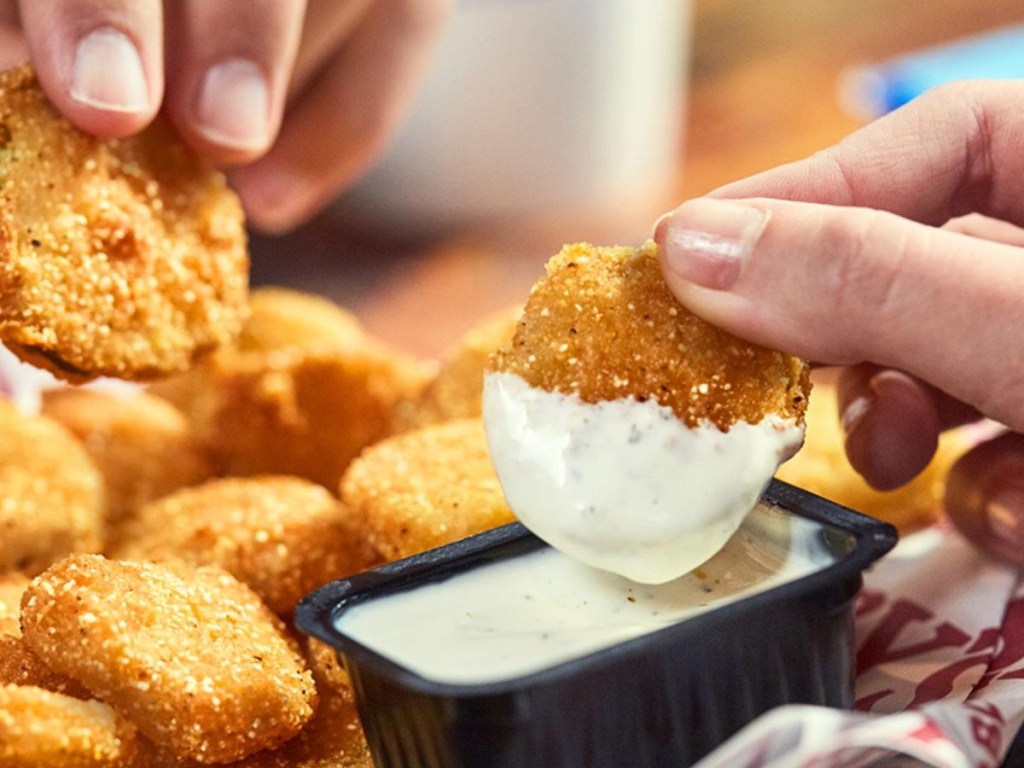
(821, 467)
(283, 536)
(121, 257)
(19, 665)
(142, 444)
(191, 656)
(280, 318)
(42, 729)
(297, 412)
(12, 587)
(603, 325)
(51, 493)
(299, 396)
(425, 488)
(456, 391)
(334, 737)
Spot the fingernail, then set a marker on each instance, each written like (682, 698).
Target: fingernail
(107, 73)
(854, 414)
(1004, 514)
(706, 241)
(233, 105)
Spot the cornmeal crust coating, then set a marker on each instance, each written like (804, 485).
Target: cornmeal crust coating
(425, 488)
(191, 656)
(51, 493)
(19, 665)
(283, 536)
(333, 738)
(301, 396)
(603, 325)
(144, 446)
(42, 729)
(456, 391)
(121, 258)
(821, 467)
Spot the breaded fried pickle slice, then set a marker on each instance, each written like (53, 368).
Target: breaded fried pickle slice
(42, 729)
(121, 258)
(283, 536)
(51, 493)
(603, 325)
(191, 656)
(144, 447)
(425, 488)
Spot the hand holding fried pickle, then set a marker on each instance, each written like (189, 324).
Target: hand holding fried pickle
(122, 258)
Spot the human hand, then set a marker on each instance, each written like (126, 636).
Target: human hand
(897, 252)
(302, 99)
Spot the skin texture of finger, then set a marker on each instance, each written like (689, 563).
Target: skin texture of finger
(848, 285)
(100, 61)
(958, 149)
(985, 496)
(226, 89)
(13, 49)
(891, 424)
(987, 228)
(328, 24)
(346, 116)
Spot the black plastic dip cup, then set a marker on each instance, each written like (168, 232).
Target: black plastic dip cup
(666, 698)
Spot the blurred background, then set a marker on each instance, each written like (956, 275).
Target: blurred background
(552, 121)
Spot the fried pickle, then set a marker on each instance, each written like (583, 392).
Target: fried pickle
(281, 318)
(119, 257)
(143, 446)
(603, 325)
(19, 665)
(42, 729)
(334, 737)
(191, 656)
(425, 488)
(51, 493)
(455, 391)
(821, 467)
(12, 587)
(283, 536)
(296, 397)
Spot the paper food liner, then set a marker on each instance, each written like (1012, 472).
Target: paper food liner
(940, 671)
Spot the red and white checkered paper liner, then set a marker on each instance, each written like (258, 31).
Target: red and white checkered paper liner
(940, 671)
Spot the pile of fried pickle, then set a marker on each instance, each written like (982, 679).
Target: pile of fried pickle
(155, 539)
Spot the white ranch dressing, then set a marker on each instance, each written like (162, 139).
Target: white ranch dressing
(528, 613)
(623, 485)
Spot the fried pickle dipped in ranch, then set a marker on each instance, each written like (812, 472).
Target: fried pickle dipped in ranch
(626, 431)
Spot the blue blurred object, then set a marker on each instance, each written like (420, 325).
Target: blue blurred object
(869, 91)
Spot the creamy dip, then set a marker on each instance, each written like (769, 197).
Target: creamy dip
(624, 485)
(530, 612)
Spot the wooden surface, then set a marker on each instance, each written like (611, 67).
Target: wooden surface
(762, 92)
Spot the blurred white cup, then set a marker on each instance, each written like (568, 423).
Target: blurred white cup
(538, 106)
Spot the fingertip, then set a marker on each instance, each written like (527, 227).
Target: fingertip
(985, 497)
(275, 199)
(891, 426)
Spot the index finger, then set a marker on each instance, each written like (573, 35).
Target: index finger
(957, 149)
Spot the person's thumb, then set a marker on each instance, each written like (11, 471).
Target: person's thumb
(848, 285)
